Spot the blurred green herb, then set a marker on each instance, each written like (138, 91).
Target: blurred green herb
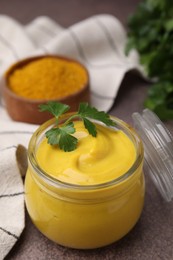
(61, 135)
(151, 33)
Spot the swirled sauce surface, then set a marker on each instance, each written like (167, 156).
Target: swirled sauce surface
(96, 160)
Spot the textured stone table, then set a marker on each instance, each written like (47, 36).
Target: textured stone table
(152, 237)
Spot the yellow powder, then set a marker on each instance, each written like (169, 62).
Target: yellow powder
(48, 78)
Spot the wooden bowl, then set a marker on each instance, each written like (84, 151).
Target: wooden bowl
(27, 110)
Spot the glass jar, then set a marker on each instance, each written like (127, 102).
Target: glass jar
(84, 216)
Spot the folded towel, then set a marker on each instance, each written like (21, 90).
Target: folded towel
(11, 201)
(98, 43)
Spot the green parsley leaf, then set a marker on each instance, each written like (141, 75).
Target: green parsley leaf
(55, 109)
(67, 142)
(53, 136)
(90, 127)
(62, 135)
(85, 110)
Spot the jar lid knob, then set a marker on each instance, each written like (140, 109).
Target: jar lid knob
(158, 147)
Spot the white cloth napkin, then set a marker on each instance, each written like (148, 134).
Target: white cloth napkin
(98, 43)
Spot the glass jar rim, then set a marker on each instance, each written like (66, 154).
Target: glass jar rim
(129, 131)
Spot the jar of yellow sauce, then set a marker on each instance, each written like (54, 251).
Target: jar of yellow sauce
(90, 197)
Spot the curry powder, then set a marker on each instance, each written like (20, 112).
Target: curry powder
(48, 78)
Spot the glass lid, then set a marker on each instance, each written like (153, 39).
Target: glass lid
(158, 147)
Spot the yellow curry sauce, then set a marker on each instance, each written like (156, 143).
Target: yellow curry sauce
(96, 160)
(86, 218)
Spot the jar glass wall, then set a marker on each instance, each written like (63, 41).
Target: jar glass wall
(84, 216)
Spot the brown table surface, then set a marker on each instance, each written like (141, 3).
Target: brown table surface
(152, 237)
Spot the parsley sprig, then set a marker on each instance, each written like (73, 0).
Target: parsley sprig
(150, 32)
(62, 134)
